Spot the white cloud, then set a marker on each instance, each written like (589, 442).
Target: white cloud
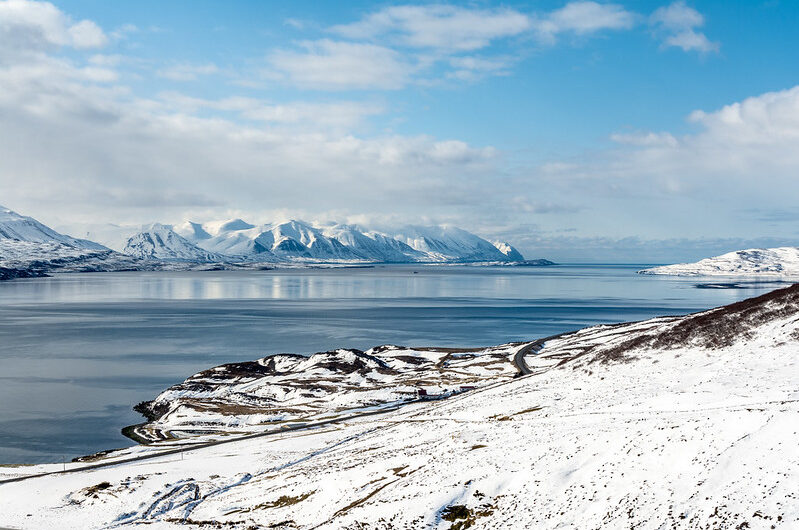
(442, 27)
(645, 138)
(743, 154)
(74, 144)
(188, 72)
(124, 31)
(100, 59)
(425, 44)
(74, 147)
(295, 23)
(471, 68)
(28, 27)
(339, 115)
(583, 18)
(677, 25)
(335, 65)
(769, 119)
(87, 34)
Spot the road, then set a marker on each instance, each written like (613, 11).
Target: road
(186, 449)
(518, 360)
(531, 348)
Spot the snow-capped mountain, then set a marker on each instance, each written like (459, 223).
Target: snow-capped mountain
(14, 226)
(510, 252)
(235, 241)
(373, 245)
(447, 243)
(781, 261)
(160, 242)
(294, 239)
(30, 248)
(270, 242)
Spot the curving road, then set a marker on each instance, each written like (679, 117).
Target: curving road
(203, 445)
(518, 360)
(531, 348)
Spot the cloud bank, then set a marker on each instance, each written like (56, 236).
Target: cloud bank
(78, 144)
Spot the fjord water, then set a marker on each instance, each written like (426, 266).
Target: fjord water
(77, 351)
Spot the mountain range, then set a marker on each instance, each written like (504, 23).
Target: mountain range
(27, 244)
(236, 240)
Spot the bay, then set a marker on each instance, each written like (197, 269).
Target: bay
(77, 351)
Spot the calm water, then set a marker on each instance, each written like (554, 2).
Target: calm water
(78, 350)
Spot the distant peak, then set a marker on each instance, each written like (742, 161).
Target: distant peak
(235, 224)
(155, 226)
(231, 225)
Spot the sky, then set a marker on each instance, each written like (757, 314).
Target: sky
(643, 131)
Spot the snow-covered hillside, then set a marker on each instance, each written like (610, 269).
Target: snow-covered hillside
(29, 248)
(160, 242)
(243, 397)
(373, 245)
(510, 252)
(782, 261)
(14, 226)
(676, 422)
(447, 243)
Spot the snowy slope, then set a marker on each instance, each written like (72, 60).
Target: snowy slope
(266, 242)
(782, 261)
(160, 242)
(447, 243)
(677, 422)
(40, 258)
(191, 231)
(242, 397)
(22, 228)
(32, 249)
(510, 252)
(373, 245)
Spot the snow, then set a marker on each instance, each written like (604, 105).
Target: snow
(447, 243)
(237, 242)
(338, 242)
(292, 387)
(693, 424)
(160, 242)
(781, 261)
(14, 226)
(509, 251)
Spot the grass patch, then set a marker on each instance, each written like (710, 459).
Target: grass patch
(282, 501)
(463, 517)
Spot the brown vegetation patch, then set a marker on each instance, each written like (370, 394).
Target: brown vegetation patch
(463, 517)
(713, 329)
(282, 501)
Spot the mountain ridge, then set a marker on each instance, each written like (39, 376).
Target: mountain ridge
(779, 261)
(237, 243)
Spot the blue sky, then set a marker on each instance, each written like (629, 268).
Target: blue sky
(633, 131)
